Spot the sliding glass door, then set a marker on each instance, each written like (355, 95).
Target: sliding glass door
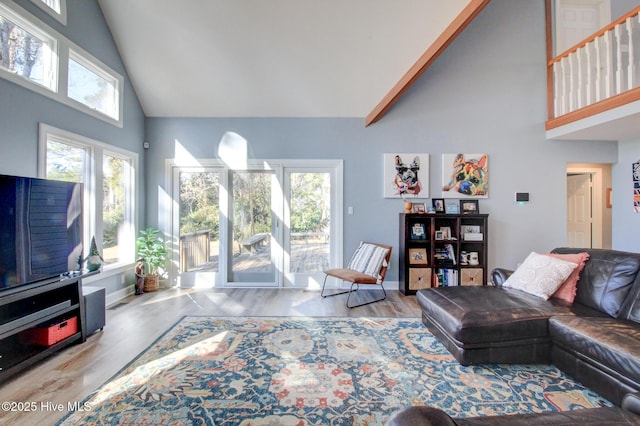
(309, 215)
(198, 223)
(268, 225)
(253, 239)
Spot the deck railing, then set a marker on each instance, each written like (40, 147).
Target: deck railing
(603, 69)
(194, 249)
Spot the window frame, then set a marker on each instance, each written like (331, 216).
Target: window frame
(126, 249)
(60, 16)
(116, 82)
(93, 184)
(50, 63)
(60, 72)
(168, 220)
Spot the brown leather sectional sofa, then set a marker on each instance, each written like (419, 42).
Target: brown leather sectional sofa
(596, 340)
(628, 414)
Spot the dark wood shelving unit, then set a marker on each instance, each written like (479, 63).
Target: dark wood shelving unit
(433, 248)
(34, 306)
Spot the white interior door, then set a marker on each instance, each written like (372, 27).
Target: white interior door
(577, 19)
(579, 211)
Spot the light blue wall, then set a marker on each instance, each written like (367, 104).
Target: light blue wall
(626, 223)
(487, 93)
(21, 110)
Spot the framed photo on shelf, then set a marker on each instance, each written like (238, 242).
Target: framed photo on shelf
(452, 207)
(438, 205)
(439, 235)
(418, 208)
(418, 232)
(418, 256)
(469, 206)
(446, 232)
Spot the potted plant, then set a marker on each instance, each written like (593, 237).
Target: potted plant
(153, 251)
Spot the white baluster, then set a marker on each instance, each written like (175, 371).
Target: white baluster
(558, 89)
(579, 78)
(573, 82)
(590, 83)
(619, 65)
(608, 62)
(565, 85)
(631, 70)
(599, 70)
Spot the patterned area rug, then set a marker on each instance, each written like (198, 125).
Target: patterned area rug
(314, 371)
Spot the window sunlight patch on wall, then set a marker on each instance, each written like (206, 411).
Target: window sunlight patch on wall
(233, 151)
(183, 156)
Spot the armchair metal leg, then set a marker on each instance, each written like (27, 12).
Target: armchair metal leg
(351, 290)
(365, 303)
(332, 294)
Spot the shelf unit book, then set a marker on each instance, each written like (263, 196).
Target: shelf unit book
(438, 250)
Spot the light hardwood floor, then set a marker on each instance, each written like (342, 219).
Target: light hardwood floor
(136, 322)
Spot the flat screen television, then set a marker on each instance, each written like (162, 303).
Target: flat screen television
(40, 229)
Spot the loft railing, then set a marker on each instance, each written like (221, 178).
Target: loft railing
(600, 73)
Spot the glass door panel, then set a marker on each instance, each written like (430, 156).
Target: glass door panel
(199, 227)
(310, 209)
(308, 214)
(252, 228)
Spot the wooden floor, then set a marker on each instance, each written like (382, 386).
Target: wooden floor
(135, 323)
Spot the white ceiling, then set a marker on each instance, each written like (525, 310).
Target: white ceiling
(271, 58)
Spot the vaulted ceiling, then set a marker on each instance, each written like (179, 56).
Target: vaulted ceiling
(272, 58)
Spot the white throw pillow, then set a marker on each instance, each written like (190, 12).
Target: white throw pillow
(540, 275)
(368, 259)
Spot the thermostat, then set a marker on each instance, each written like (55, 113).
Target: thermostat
(522, 197)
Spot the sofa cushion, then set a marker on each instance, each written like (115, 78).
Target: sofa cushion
(567, 290)
(540, 275)
(611, 343)
(606, 278)
(475, 316)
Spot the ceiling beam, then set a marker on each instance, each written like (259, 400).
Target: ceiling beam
(433, 52)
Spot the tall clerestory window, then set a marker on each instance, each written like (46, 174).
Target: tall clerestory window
(27, 51)
(55, 8)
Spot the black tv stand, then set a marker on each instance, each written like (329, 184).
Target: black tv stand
(37, 305)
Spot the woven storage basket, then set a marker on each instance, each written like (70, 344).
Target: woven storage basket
(151, 283)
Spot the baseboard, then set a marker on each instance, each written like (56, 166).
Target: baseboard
(117, 296)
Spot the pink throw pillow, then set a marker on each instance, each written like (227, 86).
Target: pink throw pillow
(568, 288)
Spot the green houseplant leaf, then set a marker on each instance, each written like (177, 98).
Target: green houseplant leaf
(151, 249)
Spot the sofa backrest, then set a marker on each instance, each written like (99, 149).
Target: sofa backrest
(607, 279)
(631, 308)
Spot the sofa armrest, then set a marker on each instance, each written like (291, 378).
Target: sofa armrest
(499, 276)
(631, 402)
(421, 416)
